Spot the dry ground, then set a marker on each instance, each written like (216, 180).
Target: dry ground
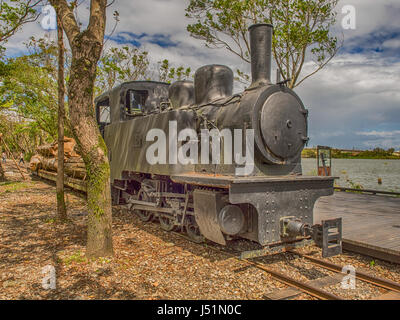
(148, 262)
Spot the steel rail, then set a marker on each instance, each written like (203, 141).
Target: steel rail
(307, 288)
(361, 275)
(304, 287)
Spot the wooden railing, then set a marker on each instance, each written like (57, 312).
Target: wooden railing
(368, 191)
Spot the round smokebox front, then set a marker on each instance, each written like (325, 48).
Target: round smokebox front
(283, 125)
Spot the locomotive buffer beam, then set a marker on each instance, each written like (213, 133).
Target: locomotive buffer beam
(327, 236)
(273, 211)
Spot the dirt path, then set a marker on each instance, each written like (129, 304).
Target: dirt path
(12, 173)
(148, 264)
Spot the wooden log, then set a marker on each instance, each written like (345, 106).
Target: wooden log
(74, 165)
(51, 150)
(35, 163)
(47, 150)
(69, 148)
(74, 170)
(70, 182)
(75, 159)
(76, 173)
(49, 164)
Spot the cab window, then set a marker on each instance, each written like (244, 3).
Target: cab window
(103, 112)
(135, 102)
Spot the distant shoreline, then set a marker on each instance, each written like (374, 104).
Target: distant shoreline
(352, 158)
(376, 154)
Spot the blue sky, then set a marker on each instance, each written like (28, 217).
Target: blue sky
(353, 102)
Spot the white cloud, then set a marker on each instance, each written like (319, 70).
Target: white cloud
(355, 93)
(371, 15)
(381, 134)
(392, 43)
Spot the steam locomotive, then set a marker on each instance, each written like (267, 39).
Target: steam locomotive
(271, 203)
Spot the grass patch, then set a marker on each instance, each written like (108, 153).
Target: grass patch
(77, 257)
(13, 186)
(50, 220)
(80, 257)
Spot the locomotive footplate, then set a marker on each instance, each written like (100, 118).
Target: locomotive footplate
(275, 210)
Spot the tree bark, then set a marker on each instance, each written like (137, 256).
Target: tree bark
(86, 49)
(61, 208)
(2, 173)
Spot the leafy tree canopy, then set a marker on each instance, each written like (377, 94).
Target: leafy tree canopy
(301, 31)
(13, 14)
(28, 86)
(118, 65)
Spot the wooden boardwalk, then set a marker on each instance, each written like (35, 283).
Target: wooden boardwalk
(371, 223)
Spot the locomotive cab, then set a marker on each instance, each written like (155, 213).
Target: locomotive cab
(128, 101)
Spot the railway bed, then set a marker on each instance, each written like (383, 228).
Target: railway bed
(313, 288)
(362, 216)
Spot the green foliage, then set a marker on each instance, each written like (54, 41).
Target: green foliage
(169, 74)
(29, 98)
(13, 186)
(301, 30)
(354, 185)
(13, 14)
(77, 257)
(20, 134)
(119, 65)
(372, 263)
(29, 90)
(124, 64)
(377, 153)
(309, 153)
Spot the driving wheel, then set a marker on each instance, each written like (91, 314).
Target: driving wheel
(144, 215)
(167, 223)
(193, 231)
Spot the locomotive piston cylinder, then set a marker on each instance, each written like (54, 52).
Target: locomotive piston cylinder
(260, 51)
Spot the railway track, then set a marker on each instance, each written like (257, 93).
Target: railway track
(314, 288)
(348, 245)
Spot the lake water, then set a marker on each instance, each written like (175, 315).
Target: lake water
(362, 172)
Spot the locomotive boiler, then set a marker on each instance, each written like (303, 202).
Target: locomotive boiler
(271, 204)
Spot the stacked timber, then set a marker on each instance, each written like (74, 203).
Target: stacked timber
(45, 162)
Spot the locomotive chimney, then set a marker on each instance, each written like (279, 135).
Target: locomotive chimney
(260, 50)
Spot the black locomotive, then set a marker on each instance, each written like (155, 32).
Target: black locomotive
(271, 205)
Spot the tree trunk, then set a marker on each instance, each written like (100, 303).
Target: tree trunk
(86, 49)
(2, 173)
(93, 151)
(61, 208)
